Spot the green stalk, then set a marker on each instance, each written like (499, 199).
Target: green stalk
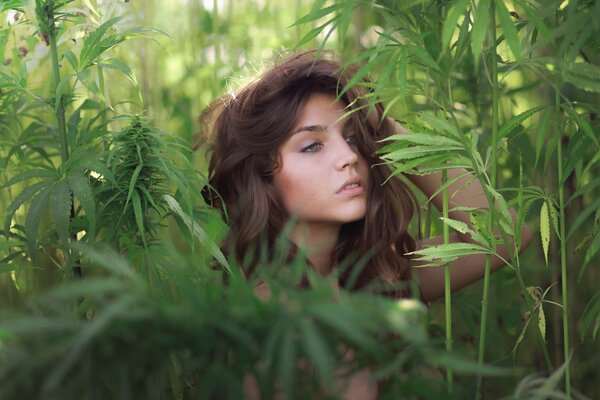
(447, 286)
(60, 111)
(563, 250)
(488, 259)
(60, 116)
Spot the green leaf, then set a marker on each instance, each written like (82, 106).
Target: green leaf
(537, 21)
(521, 335)
(317, 351)
(139, 215)
(542, 321)
(198, 231)
(317, 12)
(444, 253)
(132, 182)
(441, 126)
(583, 216)
(510, 31)
(541, 132)
(287, 361)
(365, 70)
(29, 174)
(517, 120)
(458, 9)
(420, 151)
(545, 229)
(479, 29)
(60, 208)
(81, 188)
(118, 65)
(590, 318)
(24, 196)
(463, 228)
(34, 217)
(422, 138)
(95, 43)
(71, 59)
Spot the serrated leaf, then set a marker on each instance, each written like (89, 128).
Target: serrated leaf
(510, 31)
(95, 43)
(420, 151)
(464, 229)
(542, 321)
(132, 182)
(365, 70)
(583, 216)
(422, 138)
(452, 17)
(541, 132)
(71, 59)
(119, 65)
(317, 351)
(81, 188)
(444, 253)
(198, 231)
(24, 196)
(521, 335)
(317, 12)
(545, 229)
(34, 217)
(60, 208)
(30, 174)
(537, 21)
(517, 120)
(479, 29)
(139, 215)
(439, 125)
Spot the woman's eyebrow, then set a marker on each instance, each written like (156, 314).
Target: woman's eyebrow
(310, 128)
(318, 128)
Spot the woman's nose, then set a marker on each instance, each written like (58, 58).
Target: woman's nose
(345, 157)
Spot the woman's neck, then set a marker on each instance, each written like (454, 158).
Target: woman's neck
(318, 242)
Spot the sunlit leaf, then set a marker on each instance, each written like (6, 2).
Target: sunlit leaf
(545, 229)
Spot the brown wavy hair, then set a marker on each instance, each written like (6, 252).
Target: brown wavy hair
(245, 130)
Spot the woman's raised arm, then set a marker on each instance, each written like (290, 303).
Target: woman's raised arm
(464, 192)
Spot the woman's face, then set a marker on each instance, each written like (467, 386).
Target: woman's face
(321, 177)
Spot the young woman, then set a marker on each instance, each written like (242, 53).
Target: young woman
(284, 149)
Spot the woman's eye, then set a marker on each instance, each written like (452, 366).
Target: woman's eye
(311, 148)
(351, 140)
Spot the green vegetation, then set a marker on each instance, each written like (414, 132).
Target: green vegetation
(111, 276)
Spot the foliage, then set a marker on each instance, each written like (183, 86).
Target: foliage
(91, 188)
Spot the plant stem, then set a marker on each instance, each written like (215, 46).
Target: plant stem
(563, 247)
(488, 259)
(447, 286)
(60, 111)
(60, 118)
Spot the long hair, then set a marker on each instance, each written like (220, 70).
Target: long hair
(245, 131)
